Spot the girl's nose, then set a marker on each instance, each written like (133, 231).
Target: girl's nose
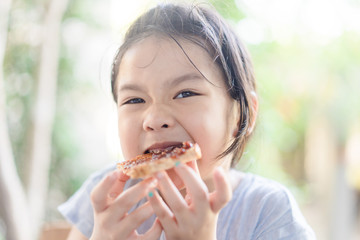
(158, 118)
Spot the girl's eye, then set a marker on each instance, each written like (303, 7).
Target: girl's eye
(134, 101)
(186, 94)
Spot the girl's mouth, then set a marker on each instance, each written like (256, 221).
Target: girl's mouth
(165, 147)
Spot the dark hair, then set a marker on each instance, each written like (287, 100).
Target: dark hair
(206, 28)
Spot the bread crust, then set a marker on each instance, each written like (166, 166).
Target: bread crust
(145, 165)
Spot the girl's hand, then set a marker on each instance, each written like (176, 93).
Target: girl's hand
(194, 217)
(111, 205)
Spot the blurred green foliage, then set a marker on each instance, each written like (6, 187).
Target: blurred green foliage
(297, 82)
(228, 9)
(21, 71)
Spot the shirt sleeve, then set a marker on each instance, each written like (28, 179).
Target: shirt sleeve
(78, 209)
(281, 219)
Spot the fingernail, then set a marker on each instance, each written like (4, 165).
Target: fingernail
(113, 195)
(150, 194)
(188, 199)
(153, 183)
(159, 175)
(177, 163)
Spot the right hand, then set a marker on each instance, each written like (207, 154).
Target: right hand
(111, 205)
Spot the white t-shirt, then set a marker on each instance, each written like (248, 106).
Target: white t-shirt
(259, 209)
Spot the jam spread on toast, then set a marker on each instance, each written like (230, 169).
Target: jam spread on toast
(172, 152)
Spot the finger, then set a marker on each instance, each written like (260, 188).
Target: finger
(162, 211)
(188, 199)
(195, 186)
(128, 198)
(118, 186)
(193, 165)
(154, 232)
(222, 193)
(176, 179)
(133, 220)
(171, 194)
(99, 195)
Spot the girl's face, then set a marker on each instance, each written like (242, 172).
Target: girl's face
(164, 100)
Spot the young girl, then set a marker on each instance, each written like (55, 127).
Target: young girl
(181, 75)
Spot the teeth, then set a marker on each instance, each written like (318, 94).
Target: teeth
(166, 150)
(155, 151)
(161, 150)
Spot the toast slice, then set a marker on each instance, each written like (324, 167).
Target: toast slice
(145, 165)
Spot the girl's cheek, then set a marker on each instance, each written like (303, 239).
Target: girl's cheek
(127, 136)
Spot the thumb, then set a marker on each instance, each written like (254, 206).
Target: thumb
(222, 193)
(104, 189)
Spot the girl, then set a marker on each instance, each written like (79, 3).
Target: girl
(183, 75)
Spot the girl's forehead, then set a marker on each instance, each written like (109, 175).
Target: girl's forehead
(152, 48)
(169, 56)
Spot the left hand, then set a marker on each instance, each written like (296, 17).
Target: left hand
(194, 217)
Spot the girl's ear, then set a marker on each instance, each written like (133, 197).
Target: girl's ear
(254, 111)
(253, 114)
(236, 116)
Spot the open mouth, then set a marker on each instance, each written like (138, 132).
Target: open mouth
(163, 148)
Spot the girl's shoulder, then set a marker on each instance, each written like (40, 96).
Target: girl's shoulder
(255, 185)
(260, 193)
(250, 185)
(263, 208)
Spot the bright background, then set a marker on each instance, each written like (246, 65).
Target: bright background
(307, 62)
